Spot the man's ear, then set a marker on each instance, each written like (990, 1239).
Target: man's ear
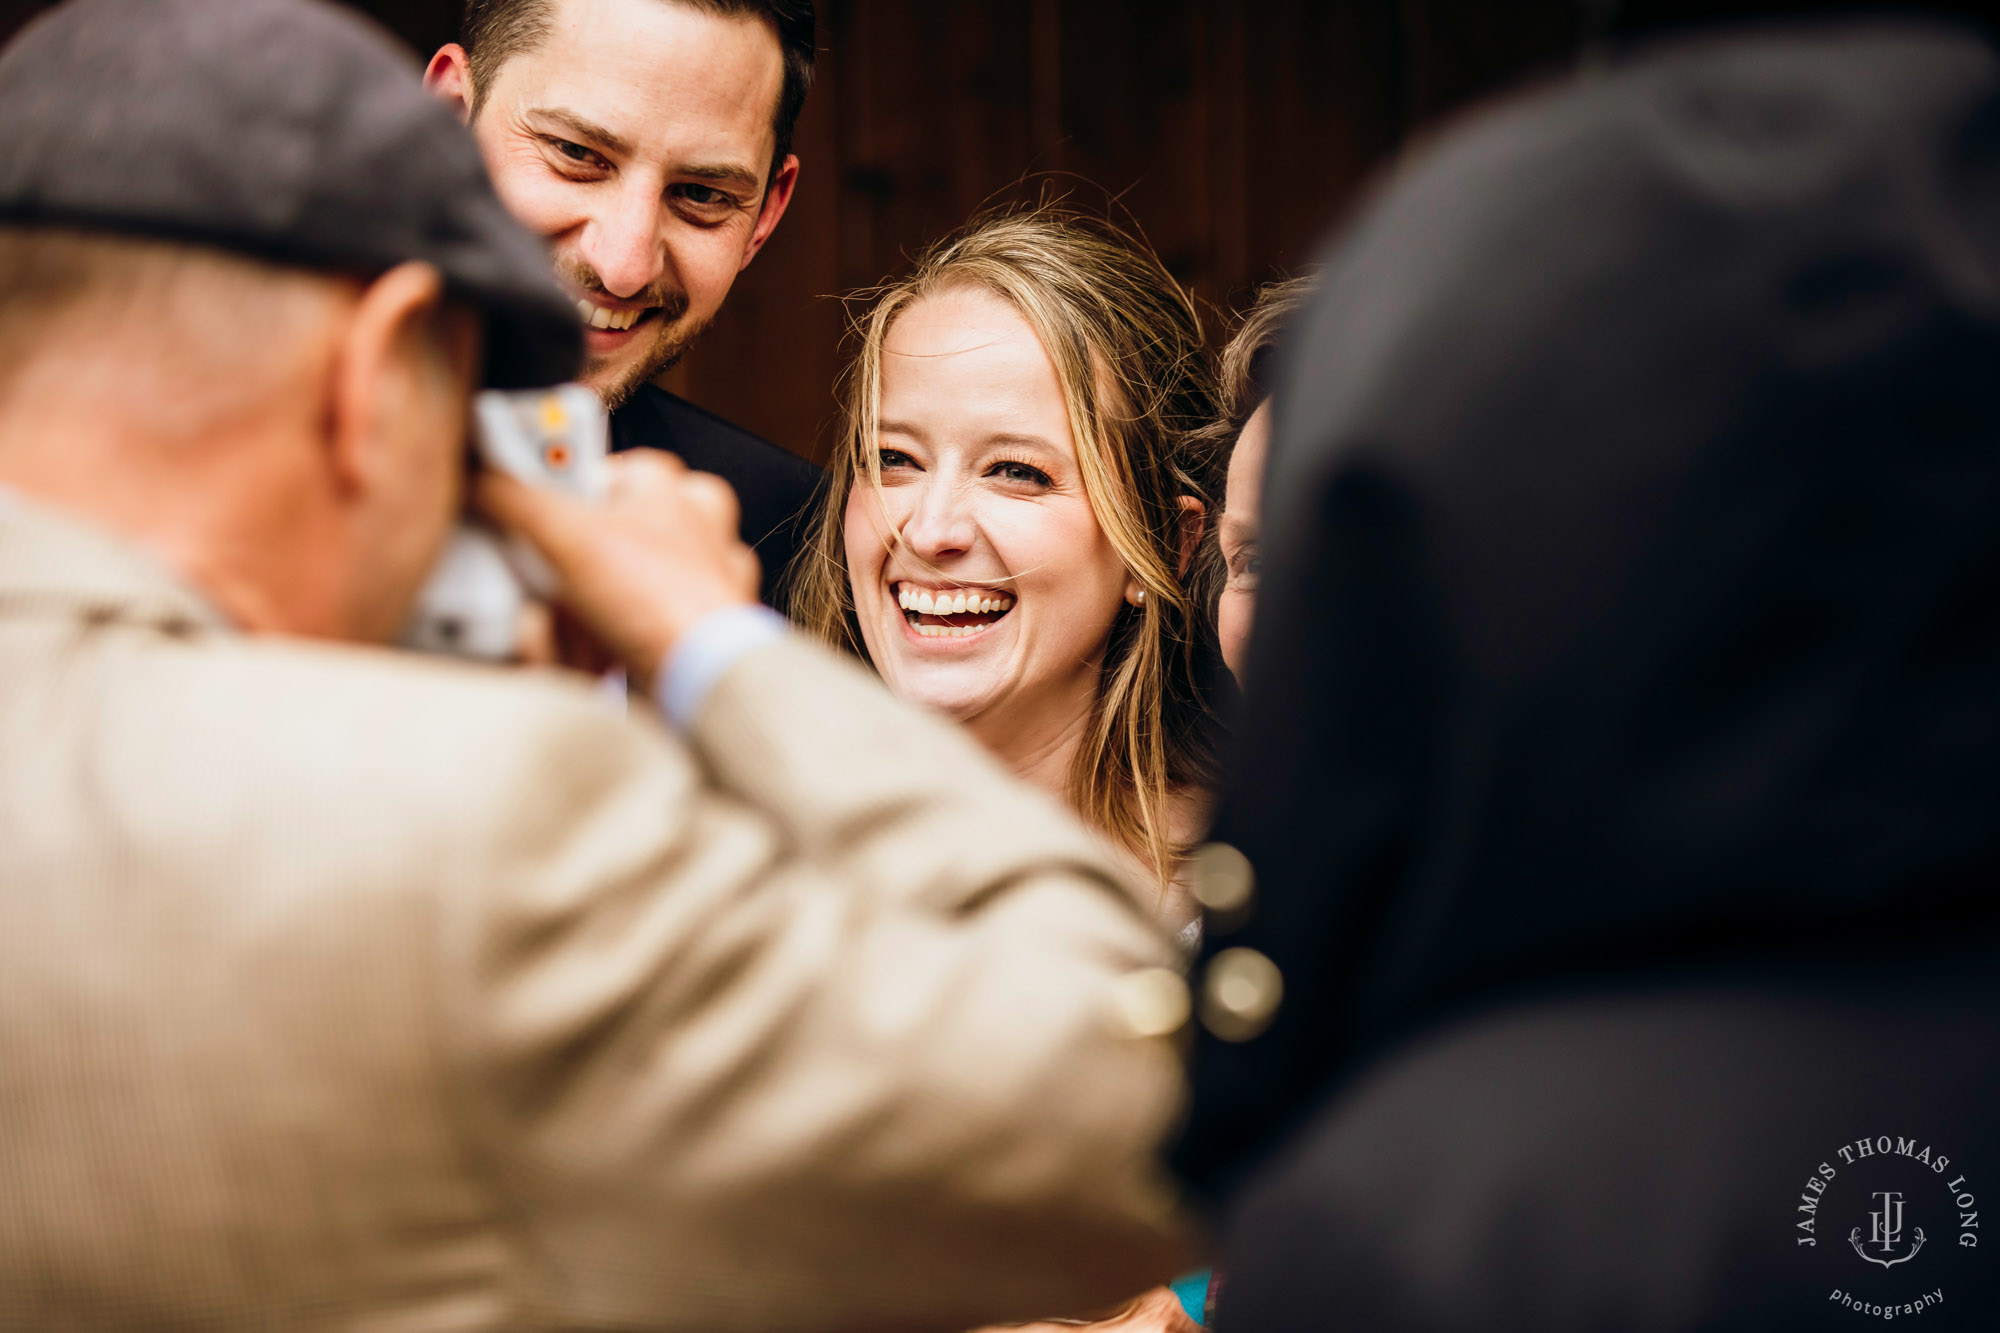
(1193, 512)
(449, 78)
(379, 352)
(776, 199)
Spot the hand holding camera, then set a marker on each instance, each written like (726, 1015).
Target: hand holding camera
(635, 548)
(638, 570)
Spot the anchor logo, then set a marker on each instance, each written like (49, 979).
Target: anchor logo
(1885, 1231)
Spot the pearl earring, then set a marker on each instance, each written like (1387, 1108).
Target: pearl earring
(1139, 597)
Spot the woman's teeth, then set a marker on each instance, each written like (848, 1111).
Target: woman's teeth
(597, 317)
(926, 603)
(919, 604)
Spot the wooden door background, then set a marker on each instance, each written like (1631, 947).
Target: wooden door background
(1230, 131)
(1233, 131)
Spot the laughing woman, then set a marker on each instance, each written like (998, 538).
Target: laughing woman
(1020, 488)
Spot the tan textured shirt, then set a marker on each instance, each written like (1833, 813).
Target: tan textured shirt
(341, 988)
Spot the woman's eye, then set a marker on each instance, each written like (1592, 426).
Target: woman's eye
(1245, 564)
(893, 458)
(1020, 472)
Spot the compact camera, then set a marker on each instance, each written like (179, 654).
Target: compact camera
(557, 439)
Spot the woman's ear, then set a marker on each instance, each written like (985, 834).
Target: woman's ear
(1193, 514)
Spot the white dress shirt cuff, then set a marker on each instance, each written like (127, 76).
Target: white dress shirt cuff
(708, 649)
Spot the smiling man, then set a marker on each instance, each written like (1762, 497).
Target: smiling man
(650, 142)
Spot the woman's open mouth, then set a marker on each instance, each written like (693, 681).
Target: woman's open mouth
(951, 613)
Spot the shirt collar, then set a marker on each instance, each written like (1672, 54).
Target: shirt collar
(54, 564)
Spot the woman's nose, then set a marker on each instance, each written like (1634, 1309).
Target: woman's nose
(623, 244)
(940, 520)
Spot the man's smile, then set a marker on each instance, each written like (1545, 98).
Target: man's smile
(613, 318)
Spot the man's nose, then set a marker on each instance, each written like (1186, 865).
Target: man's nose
(940, 523)
(623, 243)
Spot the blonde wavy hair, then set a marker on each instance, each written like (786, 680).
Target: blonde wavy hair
(1139, 384)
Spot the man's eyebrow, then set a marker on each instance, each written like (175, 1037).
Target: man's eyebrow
(722, 174)
(591, 135)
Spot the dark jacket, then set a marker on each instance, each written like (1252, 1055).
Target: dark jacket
(774, 486)
(1621, 749)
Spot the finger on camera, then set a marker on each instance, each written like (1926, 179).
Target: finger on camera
(714, 497)
(643, 467)
(535, 635)
(553, 523)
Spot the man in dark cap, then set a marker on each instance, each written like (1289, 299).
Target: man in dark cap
(341, 987)
(650, 142)
(1621, 751)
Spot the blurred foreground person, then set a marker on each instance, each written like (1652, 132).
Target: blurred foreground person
(1622, 742)
(341, 987)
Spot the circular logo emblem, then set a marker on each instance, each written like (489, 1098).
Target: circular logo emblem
(1885, 1221)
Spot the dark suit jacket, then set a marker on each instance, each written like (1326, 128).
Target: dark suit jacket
(774, 485)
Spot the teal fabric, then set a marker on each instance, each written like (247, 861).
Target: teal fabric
(1193, 1292)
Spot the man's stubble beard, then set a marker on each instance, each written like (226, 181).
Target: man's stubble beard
(673, 334)
(670, 343)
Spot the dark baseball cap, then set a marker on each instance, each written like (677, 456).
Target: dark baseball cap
(289, 130)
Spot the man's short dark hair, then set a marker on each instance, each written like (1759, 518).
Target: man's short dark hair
(498, 30)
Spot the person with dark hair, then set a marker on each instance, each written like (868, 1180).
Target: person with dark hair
(650, 142)
(1245, 427)
(1620, 752)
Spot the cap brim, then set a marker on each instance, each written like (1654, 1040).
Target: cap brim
(528, 347)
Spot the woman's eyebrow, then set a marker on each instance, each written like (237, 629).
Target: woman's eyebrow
(898, 428)
(1008, 439)
(1237, 527)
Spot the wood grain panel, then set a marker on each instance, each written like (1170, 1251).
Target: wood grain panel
(1233, 131)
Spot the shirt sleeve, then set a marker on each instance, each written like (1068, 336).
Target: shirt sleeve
(813, 1018)
(706, 652)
